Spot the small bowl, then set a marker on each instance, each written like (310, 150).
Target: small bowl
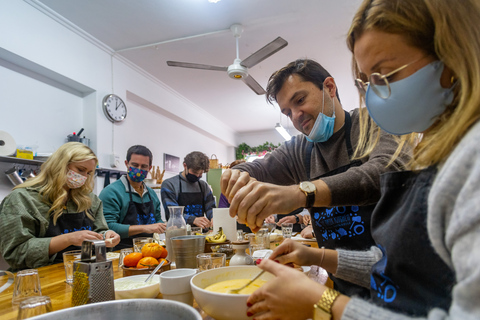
(209, 245)
(224, 306)
(131, 271)
(148, 291)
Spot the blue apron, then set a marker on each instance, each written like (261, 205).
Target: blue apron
(138, 213)
(66, 223)
(344, 227)
(410, 278)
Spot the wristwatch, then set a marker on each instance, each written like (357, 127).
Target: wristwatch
(322, 310)
(309, 189)
(297, 219)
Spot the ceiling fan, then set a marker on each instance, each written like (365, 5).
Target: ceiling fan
(239, 69)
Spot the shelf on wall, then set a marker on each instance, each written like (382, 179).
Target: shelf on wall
(20, 161)
(100, 171)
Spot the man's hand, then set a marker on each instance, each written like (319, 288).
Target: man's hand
(287, 219)
(233, 180)
(307, 219)
(254, 202)
(202, 222)
(307, 232)
(155, 227)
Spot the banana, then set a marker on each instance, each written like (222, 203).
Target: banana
(222, 239)
(219, 237)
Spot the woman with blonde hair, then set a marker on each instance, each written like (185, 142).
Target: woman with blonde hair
(53, 212)
(417, 64)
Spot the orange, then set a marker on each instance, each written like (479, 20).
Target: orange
(152, 250)
(132, 259)
(147, 262)
(164, 253)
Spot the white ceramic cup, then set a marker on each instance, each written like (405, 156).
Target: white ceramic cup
(175, 285)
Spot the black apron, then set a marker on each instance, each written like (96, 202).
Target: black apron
(138, 213)
(66, 223)
(410, 278)
(194, 202)
(345, 227)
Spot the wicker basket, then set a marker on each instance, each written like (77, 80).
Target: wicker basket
(213, 162)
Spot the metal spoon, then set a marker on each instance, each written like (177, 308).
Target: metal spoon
(154, 271)
(236, 291)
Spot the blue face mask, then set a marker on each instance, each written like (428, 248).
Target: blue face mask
(136, 174)
(414, 102)
(323, 127)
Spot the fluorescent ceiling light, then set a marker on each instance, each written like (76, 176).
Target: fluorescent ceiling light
(283, 132)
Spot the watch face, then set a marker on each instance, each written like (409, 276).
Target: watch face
(114, 108)
(307, 186)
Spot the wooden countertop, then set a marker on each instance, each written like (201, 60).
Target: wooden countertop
(52, 282)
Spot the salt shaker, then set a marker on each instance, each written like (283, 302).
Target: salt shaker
(241, 257)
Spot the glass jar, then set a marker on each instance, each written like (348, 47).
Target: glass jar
(176, 226)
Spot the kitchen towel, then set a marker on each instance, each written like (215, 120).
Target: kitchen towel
(221, 218)
(7, 144)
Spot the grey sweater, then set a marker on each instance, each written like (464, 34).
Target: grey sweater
(357, 186)
(453, 225)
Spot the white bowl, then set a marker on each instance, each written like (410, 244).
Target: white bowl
(224, 306)
(149, 291)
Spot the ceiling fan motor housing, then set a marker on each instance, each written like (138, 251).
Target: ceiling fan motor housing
(236, 70)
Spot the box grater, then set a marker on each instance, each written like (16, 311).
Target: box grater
(92, 277)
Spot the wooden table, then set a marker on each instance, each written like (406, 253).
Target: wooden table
(52, 282)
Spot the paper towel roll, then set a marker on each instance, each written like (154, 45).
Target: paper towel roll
(7, 144)
(221, 218)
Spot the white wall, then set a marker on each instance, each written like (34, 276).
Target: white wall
(53, 82)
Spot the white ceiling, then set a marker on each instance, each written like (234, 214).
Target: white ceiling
(313, 28)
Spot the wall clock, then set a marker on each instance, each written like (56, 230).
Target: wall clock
(114, 108)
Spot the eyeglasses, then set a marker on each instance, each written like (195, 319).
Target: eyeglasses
(379, 82)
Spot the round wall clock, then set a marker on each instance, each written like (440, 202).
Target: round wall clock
(114, 108)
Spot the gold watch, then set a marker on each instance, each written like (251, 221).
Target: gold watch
(310, 190)
(322, 310)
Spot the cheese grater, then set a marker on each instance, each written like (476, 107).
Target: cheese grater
(92, 277)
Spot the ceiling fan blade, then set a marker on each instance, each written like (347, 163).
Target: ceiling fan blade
(195, 66)
(253, 84)
(265, 52)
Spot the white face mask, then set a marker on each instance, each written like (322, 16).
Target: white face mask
(75, 180)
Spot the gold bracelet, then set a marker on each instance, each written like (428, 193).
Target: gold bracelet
(322, 310)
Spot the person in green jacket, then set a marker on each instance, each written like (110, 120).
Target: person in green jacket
(53, 212)
(132, 208)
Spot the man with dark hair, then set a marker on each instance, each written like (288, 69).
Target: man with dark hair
(316, 170)
(186, 189)
(131, 208)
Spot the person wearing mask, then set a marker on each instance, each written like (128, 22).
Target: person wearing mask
(188, 190)
(131, 208)
(417, 64)
(316, 170)
(53, 212)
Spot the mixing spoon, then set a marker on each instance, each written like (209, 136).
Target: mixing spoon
(236, 291)
(154, 271)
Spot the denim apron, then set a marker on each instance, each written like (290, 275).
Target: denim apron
(194, 202)
(410, 278)
(138, 213)
(343, 227)
(66, 223)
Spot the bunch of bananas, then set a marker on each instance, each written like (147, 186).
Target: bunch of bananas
(219, 237)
